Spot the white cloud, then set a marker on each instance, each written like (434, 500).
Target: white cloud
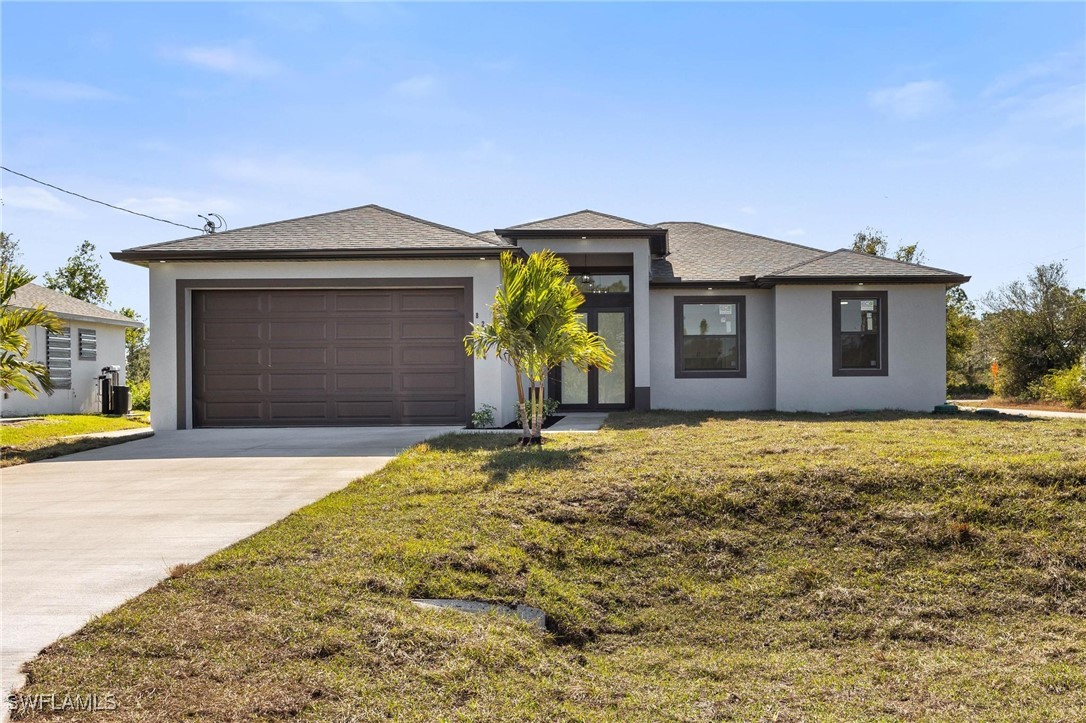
(32, 198)
(1068, 63)
(911, 100)
(59, 90)
(238, 60)
(419, 86)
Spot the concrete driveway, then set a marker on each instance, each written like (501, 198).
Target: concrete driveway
(84, 533)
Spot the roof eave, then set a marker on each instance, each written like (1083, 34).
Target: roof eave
(142, 257)
(87, 319)
(949, 279)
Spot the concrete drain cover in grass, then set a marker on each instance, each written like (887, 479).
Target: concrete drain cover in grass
(528, 614)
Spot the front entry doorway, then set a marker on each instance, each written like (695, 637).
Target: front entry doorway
(595, 389)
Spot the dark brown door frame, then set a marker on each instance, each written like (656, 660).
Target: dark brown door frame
(183, 318)
(593, 404)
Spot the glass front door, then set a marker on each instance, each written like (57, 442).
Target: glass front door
(597, 389)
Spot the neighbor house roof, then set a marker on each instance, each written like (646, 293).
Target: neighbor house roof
(704, 253)
(364, 231)
(67, 307)
(845, 264)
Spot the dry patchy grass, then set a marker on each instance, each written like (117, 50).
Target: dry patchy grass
(693, 567)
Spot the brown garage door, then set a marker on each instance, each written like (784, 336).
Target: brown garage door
(329, 357)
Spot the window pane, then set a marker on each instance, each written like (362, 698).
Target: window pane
(612, 384)
(859, 351)
(602, 283)
(709, 319)
(574, 381)
(710, 353)
(860, 315)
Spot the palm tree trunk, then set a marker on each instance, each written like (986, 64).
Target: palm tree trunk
(537, 416)
(526, 434)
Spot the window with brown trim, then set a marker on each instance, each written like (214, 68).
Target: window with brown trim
(860, 340)
(710, 337)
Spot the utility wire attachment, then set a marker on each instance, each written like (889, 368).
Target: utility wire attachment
(103, 203)
(211, 225)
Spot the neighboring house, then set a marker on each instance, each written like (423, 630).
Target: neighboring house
(356, 317)
(91, 338)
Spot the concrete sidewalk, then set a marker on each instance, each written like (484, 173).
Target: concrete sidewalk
(84, 532)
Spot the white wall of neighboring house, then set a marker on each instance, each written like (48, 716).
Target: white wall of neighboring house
(755, 391)
(84, 396)
(490, 385)
(916, 351)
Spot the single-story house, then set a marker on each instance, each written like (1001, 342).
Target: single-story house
(356, 317)
(91, 338)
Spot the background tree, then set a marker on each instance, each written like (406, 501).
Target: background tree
(1036, 326)
(81, 276)
(961, 338)
(17, 372)
(910, 254)
(9, 250)
(137, 350)
(870, 241)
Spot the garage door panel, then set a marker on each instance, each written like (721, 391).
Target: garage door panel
(240, 382)
(330, 356)
(378, 412)
(422, 329)
(432, 300)
(298, 382)
(232, 358)
(430, 382)
(363, 330)
(235, 303)
(297, 302)
(365, 355)
(363, 301)
(431, 355)
(301, 357)
(233, 331)
(297, 330)
(381, 382)
(285, 411)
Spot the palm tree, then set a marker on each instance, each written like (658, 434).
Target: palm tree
(535, 327)
(17, 373)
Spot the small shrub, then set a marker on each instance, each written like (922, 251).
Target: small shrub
(969, 390)
(140, 394)
(550, 406)
(483, 417)
(1067, 386)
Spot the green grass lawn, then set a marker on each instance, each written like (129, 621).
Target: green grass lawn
(693, 567)
(30, 441)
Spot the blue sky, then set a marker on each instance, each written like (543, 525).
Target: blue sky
(958, 126)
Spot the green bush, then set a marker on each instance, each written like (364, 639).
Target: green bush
(1063, 385)
(140, 394)
(969, 390)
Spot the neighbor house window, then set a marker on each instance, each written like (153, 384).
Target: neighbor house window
(58, 357)
(859, 333)
(710, 336)
(88, 344)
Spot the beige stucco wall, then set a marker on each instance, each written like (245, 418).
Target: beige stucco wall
(83, 397)
(916, 351)
(755, 391)
(489, 388)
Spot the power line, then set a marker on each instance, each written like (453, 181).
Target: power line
(102, 203)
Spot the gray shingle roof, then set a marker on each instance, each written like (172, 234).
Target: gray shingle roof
(32, 295)
(586, 219)
(853, 264)
(364, 228)
(700, 252)
(491, 237)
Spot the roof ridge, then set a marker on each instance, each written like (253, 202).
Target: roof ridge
(896, 261)
(312, 216)
(574, 213)
(748, 233)
(786, 269)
